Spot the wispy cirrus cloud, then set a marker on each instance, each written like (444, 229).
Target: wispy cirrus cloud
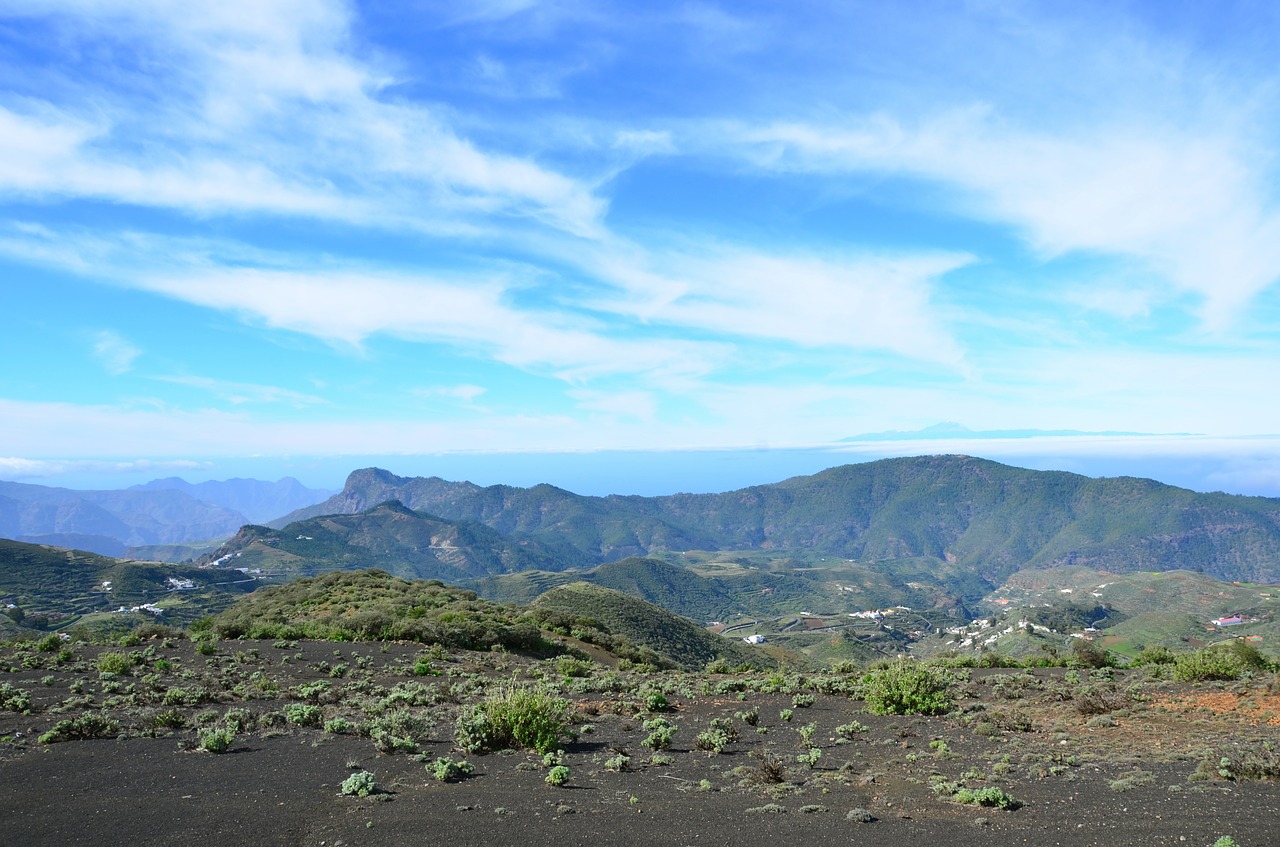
(260, 107)
(240, 393)
(1189, 203)
(465, 392)
(858, 301)
(347, 305)
(113, 352)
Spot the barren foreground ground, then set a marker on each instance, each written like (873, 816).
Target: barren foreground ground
(1127, 760)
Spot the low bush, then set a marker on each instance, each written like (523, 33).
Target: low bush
(300, 714)
(1155, 655)
(398, 731)
(216, 740)
(116, 663)
(1207, 664)
(445, 769)
(87, 725)
(513, 718)
(907, 688)
(14, 699)
(660, 732)
(990, 796)
(360, 784)
(850, 729)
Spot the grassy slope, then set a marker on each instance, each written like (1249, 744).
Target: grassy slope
(67, 584)
(392, 537)
(670, 635)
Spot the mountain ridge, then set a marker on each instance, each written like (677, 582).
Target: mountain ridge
(991, 518)
(155, 514)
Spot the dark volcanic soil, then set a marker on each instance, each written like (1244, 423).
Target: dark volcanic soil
(1143, 771)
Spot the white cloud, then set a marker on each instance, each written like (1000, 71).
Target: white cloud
(114, 353)
(465, 392)
(1188, 202)
(347, 306)
(350, 307)
(18, 468)
(1120, 302)
(238, 393)
(861, 302)
(636, 405)
(263, 107)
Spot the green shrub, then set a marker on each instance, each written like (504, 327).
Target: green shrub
(303, 715)
(337, 726)
(185, 696)
(571, 668)
(850, 729)
(1248, 656)
(513, 718)
(806, 733)
(423, 667)
(618, 763)
(1155, 655)
(660, 732)
(216, 740)
(1087, 654)
(88, 725)
(558, 775)
(719, 735)
(238, 720)
(906, 688)
(398, 731)
(990, 796)
(360, 784)
(311, 691)
(116, 663)
(169, 719)
(445, 769)
(718, 666)
(1207, 664)
(14, 699)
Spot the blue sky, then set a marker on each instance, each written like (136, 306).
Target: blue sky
(292, 237)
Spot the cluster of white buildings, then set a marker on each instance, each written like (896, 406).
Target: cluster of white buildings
(145, 607)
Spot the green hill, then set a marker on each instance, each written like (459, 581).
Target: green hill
(674, 588)
(677, 638)
(374, 605)
(56, 587)
(389, 536)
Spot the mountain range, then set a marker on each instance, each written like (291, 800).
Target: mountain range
(968, 515)
(164, 512)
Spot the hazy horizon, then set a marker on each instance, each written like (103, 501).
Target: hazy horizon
(652, 473)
